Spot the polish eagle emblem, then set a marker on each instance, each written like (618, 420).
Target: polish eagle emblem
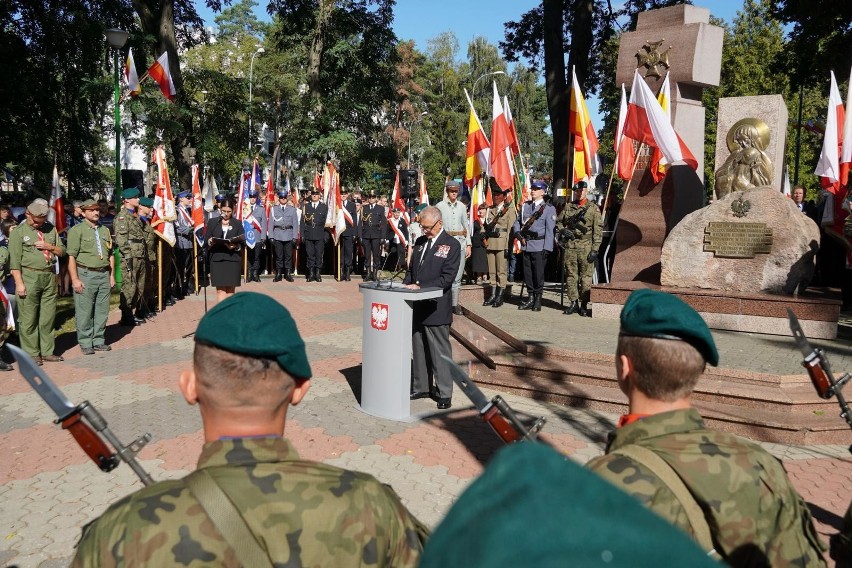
(379, 316)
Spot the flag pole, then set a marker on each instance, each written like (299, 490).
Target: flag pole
(195, 262)
(339, 273)
(160, 275)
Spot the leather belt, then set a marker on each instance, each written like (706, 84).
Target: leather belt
(101, 269)
(37, 269)
(457, 233)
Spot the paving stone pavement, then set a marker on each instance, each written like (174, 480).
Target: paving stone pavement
(49, 489)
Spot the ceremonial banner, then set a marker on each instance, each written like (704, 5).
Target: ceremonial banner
(477, 151)
(501, 145)
(586, 161)
(131, 76)
(333, 200)
(197, 209)
(56, 213)
(164, 201)
(623, 145)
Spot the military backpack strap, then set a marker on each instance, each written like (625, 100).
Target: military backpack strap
(227, 519)
(667, 474)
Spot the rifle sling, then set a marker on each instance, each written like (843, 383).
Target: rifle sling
(227, 519)
(667, 474)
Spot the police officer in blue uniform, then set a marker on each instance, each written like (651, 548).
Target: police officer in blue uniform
(535, 229)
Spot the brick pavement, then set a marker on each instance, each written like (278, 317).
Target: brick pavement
(49, 488)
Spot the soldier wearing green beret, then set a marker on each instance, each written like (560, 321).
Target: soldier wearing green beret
(130, 240)
(91, 266)
(249, 367)
(729, 494)
(34, 247)
(147, 307)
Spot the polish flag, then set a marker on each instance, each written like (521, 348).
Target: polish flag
(160, 72)
(647, 123)
(10, 315)
(586, 161)
(478, 150)
(56, 213)
(164, 201)
(396, 203)
(197, 208)
(270, 200)
(658, 161)
(131, 76)
(334, 201)
(513, 132)
(846, 151)
(501, 145)
(828, 166)
(623, 145)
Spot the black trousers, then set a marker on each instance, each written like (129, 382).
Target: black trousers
(185, 279)
(347, 244)
(254, 256)
(314, 251)
(534, 271)
(283, 256)
(372, 254)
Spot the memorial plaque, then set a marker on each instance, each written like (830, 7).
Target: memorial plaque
(729, 239)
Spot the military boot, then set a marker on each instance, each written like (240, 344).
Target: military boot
(287, 276)
(583, 310)
(490, 301)
(498, 298)
(277, 277)
(536, 302)
(127, 319)
(317, 276)
(571, 308)
(528, 304)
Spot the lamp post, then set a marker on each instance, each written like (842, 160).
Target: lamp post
(484, 75)
(410, 130)
(251, 74)
(117, 38)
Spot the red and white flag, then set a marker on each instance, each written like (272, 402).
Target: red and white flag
(586, 161)
(10, 315)
(846, 150)
(501, 145)
(130, 75)
(330, 182)
(270, 200)
(396, 203)
(828, 166)
(515, 144)
(164, 201)
(623, 145)
(647, 123)
(56, 213)
(161, 73)
(477, 151)
(197, 208)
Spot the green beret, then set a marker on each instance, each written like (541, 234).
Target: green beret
(130, 193)
(534, 507)
(146, 201)
(419, 209)
(651, 313)
(255, 325)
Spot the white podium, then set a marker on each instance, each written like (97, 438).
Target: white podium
(386, 347)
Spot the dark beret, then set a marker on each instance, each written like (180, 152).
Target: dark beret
(535, 507)
(146, 201)
(130, 193)
(580, 185)
(255, 325)
(651, 313)
(419, 209)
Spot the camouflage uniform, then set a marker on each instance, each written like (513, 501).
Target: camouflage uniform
(130, 240)
(150, 290)
(303, 513)
(841, 543)
(755, 515)
(578, 270)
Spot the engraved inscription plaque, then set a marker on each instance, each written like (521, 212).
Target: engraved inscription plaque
(728, 239)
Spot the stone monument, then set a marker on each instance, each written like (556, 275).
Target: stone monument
(680, 42)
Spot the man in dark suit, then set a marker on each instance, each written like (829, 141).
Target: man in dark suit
(400, 244)
(347, 237)
(314, 234)
(434, 262)
(373, 230)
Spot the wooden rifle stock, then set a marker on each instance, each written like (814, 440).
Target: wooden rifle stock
(91, 443)
(500, 425)
(819, 376)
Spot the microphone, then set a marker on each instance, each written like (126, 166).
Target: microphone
(382, 269)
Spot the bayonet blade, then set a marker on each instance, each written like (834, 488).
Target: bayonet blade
(41, 383)
(467, 385)
(799, 335)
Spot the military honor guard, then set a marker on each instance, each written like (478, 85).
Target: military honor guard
(535, 229)
(580, 230)
(349, 234)
(454, 215)
(147, 307)
(130, 240)
(255, 254)
(34, 247)
(400, 244)
(284, 230)
(313, 233)
(184, 234)
(731, 495)
(498, 223)
(374, 227)
(91, 266)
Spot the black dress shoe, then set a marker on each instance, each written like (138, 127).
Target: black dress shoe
(4, 366)
(419, 395)
(458, 311)
(444, 403)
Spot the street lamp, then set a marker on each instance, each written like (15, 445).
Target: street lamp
(117, 38)
(410, 130)
(251, 73)
(484, 75)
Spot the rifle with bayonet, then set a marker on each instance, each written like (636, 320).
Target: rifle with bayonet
(574, 224)
(525, 228)
(489, 229)
(83, 421)
(819, 370)
(496, 412)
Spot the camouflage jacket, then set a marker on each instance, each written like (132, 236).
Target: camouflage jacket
(841, 543)
(592, 221)
(303, 513)
(755, 515)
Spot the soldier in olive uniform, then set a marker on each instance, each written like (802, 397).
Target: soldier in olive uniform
(729, 494)
(130, 240)
(147, 307)
(498, 224)
(33, 249)
(300, 513)
(580, 228)
(91, 266)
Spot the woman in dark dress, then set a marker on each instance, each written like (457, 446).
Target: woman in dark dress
(478, 255)
(225, 258)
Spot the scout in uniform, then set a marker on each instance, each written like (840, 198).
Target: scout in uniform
(454, 215)
(91, 265)
(498, 222)
(33, 249)
(580, 228)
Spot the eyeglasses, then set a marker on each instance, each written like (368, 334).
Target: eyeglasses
(435, 224)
